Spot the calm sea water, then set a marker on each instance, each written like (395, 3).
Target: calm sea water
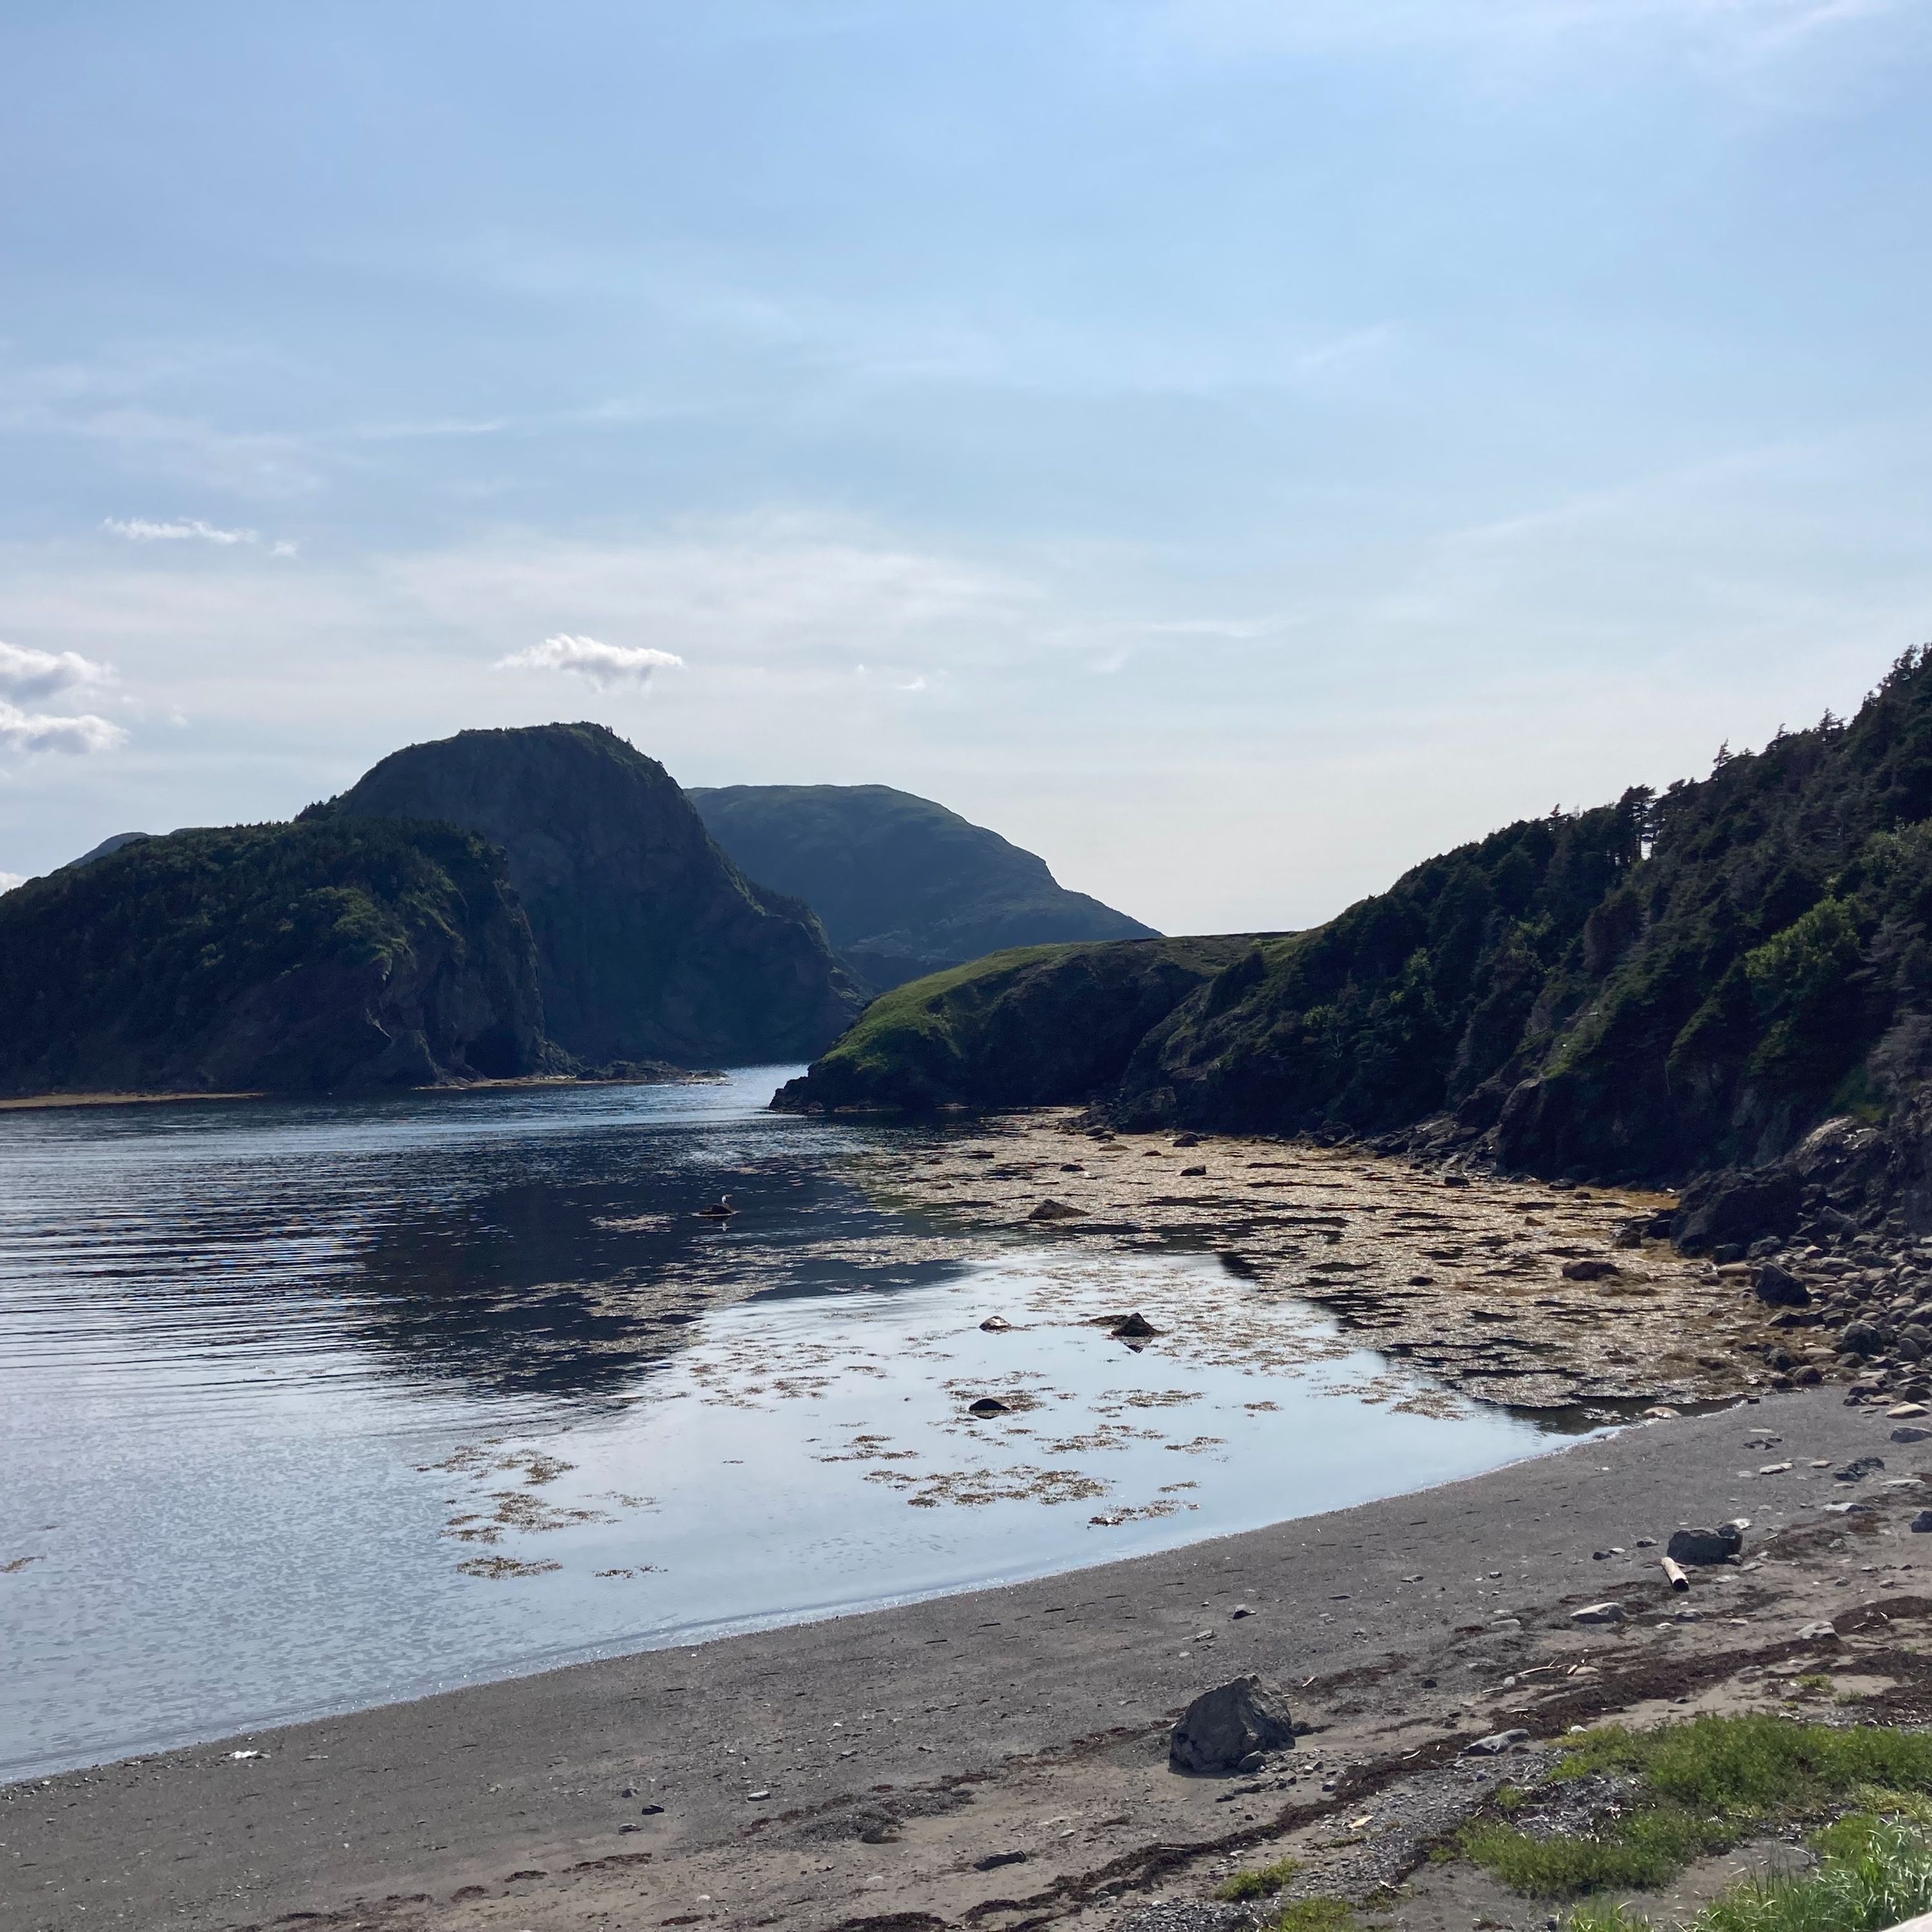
(306, 1406)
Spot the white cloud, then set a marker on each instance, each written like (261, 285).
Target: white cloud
(8, 880)
(30, 674)
(145, 529)
(603, 665)
(35, 731)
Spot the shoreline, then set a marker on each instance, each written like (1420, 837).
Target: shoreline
(31, 1103)
(700, 1636)
(832, 1771)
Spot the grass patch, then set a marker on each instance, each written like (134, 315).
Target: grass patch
(1259, 1884)
(1313, 1915)
(1700, 1787)
(1872, 1873)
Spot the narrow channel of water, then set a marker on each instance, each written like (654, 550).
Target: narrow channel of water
(305, 1407)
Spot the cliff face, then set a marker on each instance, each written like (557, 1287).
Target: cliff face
(905, 887)
(651, 944)
(1023, 1028)
(305, 958)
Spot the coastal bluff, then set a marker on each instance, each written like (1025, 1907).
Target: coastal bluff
(651, 944)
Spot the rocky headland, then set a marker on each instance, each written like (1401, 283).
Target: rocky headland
(651, 944)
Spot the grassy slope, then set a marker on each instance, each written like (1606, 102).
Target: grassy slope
(1026, 1027)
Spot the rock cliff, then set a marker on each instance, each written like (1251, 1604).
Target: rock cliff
(651, 944)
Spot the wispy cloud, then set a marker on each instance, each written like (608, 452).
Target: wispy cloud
(29, 674)
(603, 665)
(35, 731)
(8, 880)
(1737, 36)
(191, 529)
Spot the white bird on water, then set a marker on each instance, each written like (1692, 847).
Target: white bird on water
(720, 1210)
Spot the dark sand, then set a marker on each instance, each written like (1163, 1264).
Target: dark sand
(1029, 1720)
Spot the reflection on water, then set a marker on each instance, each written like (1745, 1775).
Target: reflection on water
(305, 1406)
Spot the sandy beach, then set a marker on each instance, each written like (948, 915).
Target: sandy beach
(999, 1759)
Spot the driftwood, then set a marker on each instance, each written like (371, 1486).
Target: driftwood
(1678, 1581)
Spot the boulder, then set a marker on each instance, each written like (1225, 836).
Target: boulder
(1779, 1288)
(1592, 1268)
(1598, 1613)
(1226, 1725)
(1737, 1205)
(1705, 1546)
(1050, 1209)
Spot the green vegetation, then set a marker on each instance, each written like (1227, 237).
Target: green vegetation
(1639, 991)
(1026, 1027)
(1700, 1787)
(303, 957)
(1874, 1873)
(1672, 981)
(1261, 1883)
(903, 886)
(1313, 1915)
(651, 944)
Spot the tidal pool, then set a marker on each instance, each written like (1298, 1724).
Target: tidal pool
(305, 1407)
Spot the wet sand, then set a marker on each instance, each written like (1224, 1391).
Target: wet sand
(909, 1768)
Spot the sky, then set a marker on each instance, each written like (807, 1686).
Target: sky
(1235, 449)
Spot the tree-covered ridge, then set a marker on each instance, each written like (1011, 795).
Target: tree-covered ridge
(307, 956)
(1667, 983)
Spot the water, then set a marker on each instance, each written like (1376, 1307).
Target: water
(308, 1406)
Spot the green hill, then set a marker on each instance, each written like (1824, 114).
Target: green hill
(905, 887)
(1023, 1027)
(651, 944)
(292, 957)
(1641, 991)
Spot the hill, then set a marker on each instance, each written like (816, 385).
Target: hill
(1028, 1027)
(651, 944)
(303, 957)
(1643, 991)
(905, 887)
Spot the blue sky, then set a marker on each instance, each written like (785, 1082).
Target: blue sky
(1235, 449)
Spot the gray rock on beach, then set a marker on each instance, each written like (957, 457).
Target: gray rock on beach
(1228, 1724)
(1598, 1613)
(1705, 1546)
